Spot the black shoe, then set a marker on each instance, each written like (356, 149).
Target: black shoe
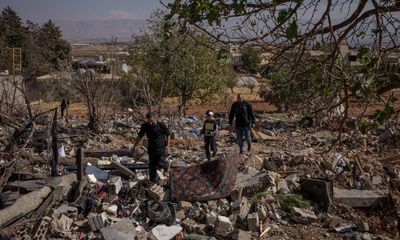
(214, 154)
(249, 148)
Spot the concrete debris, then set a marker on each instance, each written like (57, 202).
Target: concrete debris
(253, 222)
(122, 230)
(163, 232)
(189, 225)
(40, 229)
(211, 218)
(238, 234)
(241, 207)
(114, 184)
(357, 198)
(362, 227)
(276, 194)
(156, 192)
(303, 216)
(344, 228)
(97, 221)
(223, 226)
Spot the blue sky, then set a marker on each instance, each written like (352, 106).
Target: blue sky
(42, 10)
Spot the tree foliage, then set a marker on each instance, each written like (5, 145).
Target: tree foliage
(287, 29)
(177, 65)
(43, 49)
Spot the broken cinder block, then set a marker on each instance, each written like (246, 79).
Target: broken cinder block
(97, 221)
(253, 222)
(41, 228)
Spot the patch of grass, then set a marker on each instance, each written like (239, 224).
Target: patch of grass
(287, 202)
(257, 198)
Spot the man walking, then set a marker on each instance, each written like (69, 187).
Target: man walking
(158, 144)
(243, 112)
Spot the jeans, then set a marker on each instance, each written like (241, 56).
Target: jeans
(209, 142)
(240, 132)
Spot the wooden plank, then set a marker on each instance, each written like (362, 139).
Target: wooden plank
(80, 162)
(108, 153)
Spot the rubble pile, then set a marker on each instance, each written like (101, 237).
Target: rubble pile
(292, 185)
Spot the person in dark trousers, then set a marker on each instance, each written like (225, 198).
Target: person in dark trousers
(209, 131)
(158, 144)
(64, 107)
(242, 111)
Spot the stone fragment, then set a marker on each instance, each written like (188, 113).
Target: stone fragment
(357, 198)
(303, 216)
(156, 192)
(114, 184)
(97, 221)
(163, 232)
(253, 222)
(122, 230)
(262, 211)
(211, 218)
(241, 207)
(40, 229)
(377, 180)
(180, 215)
(282, 187)
(238, 234)
(61, 223)
(189, 225)
(343, 228)
(122, 169)
(362, 227)
(185, 205)
(223, 226)
(253, 182)
(112, 209)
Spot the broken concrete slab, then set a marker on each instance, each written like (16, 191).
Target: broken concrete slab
(303, 216)
(122, 230)
(253, 182)
(25, 186)
(24, 204)
(241, 207)
(124, 170)
(357, 198)
(253, 222)
(238, 234)
(223, 226)
(163, 232)
(97, 221)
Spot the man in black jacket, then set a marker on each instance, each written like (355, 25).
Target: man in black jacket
(158, 144)
(243, 112)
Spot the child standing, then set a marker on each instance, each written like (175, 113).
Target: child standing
(209, 131)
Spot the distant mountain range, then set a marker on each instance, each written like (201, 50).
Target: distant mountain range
(101, 31)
